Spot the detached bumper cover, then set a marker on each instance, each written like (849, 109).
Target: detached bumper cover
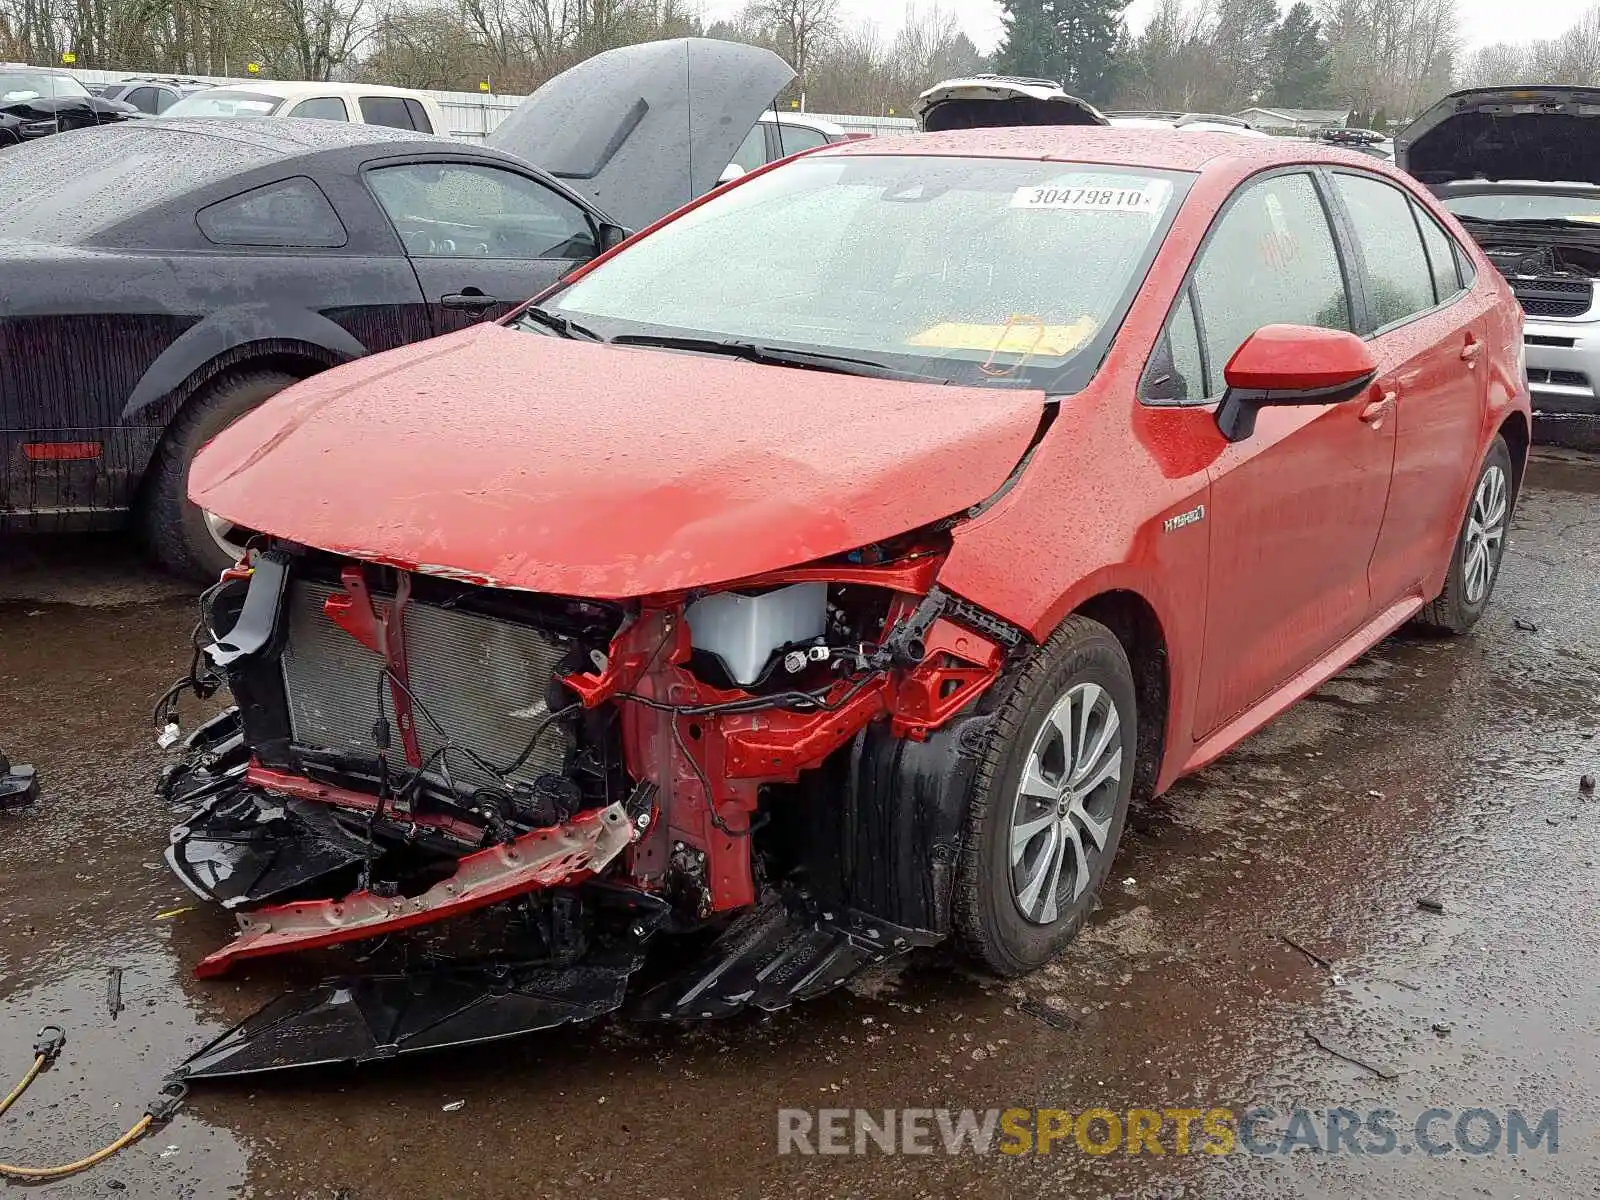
(357, 1021)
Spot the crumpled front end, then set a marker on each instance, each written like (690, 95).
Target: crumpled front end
(690, 802)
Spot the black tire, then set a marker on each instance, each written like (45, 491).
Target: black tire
(990, 924)
(1454, 610)
(174, 529)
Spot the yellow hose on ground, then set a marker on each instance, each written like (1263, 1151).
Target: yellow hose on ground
(45, 1049)
(83, 1164)
(16, 1092)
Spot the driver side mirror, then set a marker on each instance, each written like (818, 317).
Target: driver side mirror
(1291, 365)
(610, 237)
(731, 172)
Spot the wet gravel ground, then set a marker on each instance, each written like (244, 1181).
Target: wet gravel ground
(1439, 769)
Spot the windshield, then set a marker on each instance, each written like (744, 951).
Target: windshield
(972, 270)
(1525, 206)
(34, 85)
(225, 102)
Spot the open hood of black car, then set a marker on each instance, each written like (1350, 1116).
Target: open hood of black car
(644, 129)
(1549, 133)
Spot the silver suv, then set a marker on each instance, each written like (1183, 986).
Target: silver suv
(1519, 169)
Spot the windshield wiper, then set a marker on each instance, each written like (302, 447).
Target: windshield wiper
(565, 326)
(776, 356)
(1532, 222)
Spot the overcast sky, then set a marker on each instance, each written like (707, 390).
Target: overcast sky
(1483, 21)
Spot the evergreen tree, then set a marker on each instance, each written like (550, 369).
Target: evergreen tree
(1029, 46)
(1300, 61)
(1075, 42)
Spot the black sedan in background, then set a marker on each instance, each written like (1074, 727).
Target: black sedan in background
(163, 277)
(36, 102)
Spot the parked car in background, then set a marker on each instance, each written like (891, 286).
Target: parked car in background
(153, 96)
(1516, 166)
(360, 103)
(987, 101)
(824, 573)
(36, 102)
(778, 135)
(164, 276)
(1192, 122)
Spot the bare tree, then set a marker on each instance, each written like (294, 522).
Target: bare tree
(803, 28)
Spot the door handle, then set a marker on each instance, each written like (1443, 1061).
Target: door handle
(473, 301)
(1374, 413)
(1470, 351)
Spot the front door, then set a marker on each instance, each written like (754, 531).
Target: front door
(1296, 508)
(482, 239)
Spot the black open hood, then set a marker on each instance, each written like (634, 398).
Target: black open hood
(644, 129)
(1549, 133)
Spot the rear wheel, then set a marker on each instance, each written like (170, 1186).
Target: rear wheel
(1049, 802)
(1480, 546)
(182, 537)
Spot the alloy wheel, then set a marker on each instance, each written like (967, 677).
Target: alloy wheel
(1065, 805)
(1486, 535)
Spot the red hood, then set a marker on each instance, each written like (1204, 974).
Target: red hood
(560, 466)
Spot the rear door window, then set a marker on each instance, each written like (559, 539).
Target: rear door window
(321, 108)
(291, 212)
(1442, 259)
(145, 99)
(1401, 283)
(387, 110)
(791, 139)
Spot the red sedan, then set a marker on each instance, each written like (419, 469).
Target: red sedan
(826, 570)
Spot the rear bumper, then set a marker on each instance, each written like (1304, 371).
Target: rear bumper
(42, 495)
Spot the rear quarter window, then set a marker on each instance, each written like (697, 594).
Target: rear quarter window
(290, 213)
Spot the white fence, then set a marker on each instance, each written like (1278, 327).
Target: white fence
(474, 115)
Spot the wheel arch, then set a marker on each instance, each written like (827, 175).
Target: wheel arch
(1518, 438)
(1134, 622)
(230, 338)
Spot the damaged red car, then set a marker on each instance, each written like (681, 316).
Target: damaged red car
(822, 573)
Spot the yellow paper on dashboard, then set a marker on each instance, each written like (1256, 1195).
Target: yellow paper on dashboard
(1018, 337)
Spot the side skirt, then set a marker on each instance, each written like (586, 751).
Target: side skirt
(1307, 681)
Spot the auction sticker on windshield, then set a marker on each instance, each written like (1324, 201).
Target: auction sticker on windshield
(1149, 197)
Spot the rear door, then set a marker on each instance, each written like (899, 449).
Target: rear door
(481, 237)
(1295, 508)
(1428, 333)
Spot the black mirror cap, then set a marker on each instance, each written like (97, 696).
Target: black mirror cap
(612, 236)
(1236, 415)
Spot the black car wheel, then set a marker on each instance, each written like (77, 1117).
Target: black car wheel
(180, 536)
(1480, 546)
(1049, 801)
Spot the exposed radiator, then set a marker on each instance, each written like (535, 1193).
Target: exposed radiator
(484, 681)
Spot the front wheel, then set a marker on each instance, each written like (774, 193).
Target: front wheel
(1049, 802)
(182, 537)
(1480, 546)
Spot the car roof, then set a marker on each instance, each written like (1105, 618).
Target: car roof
(292, 89)
(95, 180)
(1163, 149)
